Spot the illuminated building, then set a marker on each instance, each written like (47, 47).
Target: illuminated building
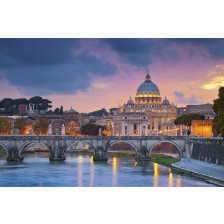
(147, 111)
(202, 128)
(72, 126)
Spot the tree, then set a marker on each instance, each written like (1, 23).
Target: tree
(41, 127)
(144, 151)
(57, 111)
(20, 124)
(5, 126)
(91, 129)
(44, 123)
(61, 111)
(36, 129)
(218, 107)
(186, 119)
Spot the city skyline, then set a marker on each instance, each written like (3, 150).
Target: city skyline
(90, 74)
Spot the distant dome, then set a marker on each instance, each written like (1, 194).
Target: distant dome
(166, 101)
(148, 87)
(71, 111)
(130, 102)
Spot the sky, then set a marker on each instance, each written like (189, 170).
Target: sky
(90, 74)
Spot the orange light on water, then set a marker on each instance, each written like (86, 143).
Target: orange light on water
(178, 182)
(114, 170)
(156, 173)
(135, 164)
(170, 178)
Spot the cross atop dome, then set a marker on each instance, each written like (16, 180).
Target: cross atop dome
(148, 78)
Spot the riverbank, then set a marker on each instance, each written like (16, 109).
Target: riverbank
(163, 159)
(208, 172)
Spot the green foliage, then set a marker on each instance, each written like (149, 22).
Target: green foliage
(163, 159)
(91, 129)
(186, 119)
(144, 151)
(5, 126)
(218, 108)
(41, 127)
(44, 123)
(20, 124)
(98, 113)
(36, 129)
(11, 106)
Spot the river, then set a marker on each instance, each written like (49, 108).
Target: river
(79, 170)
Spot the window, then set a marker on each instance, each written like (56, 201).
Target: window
(126, 127)
(144, 118)
(125, 118)
(135, 127)
(148, 126)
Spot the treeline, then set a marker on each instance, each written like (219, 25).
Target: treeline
(40, 127)
(10, 106)
(93, 130)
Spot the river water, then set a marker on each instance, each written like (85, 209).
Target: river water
(80, 171)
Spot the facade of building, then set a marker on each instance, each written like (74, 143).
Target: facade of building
(205, 109)
(72, 125)
(202, 128)
(149, 105)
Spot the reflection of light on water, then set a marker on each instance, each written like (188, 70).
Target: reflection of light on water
(91, 171)
(114, 170)
(156, 174)
(178, 181)
(80, 160)
(91, 161)
(135, 164)
(170, 178)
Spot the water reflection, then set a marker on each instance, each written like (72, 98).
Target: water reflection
(156, 173)
(114, 171)
(81, 170)
(91, 171)
(178, 181)
(80, 161)
(170, 178)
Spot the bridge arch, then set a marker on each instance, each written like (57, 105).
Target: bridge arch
(29, 143)
(167, 141)
(91, 148)
(124, 141)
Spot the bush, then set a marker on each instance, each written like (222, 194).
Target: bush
(144, 151)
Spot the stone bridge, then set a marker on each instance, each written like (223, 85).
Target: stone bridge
(14, 144)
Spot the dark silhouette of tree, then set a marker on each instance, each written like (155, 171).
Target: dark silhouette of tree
(61, 111)
(91, 129)
(186, 119)
(57, 111)
(218, 108)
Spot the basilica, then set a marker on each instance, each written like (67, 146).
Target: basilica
(147, 114)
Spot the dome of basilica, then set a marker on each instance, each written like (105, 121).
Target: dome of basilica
(130, 102)
(166, 101)
(148, 88)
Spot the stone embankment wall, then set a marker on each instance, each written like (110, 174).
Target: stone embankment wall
(210, 151)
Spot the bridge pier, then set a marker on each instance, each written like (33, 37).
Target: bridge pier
(141, 157)
(13, 155)
(57, 151)
(100, 154)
